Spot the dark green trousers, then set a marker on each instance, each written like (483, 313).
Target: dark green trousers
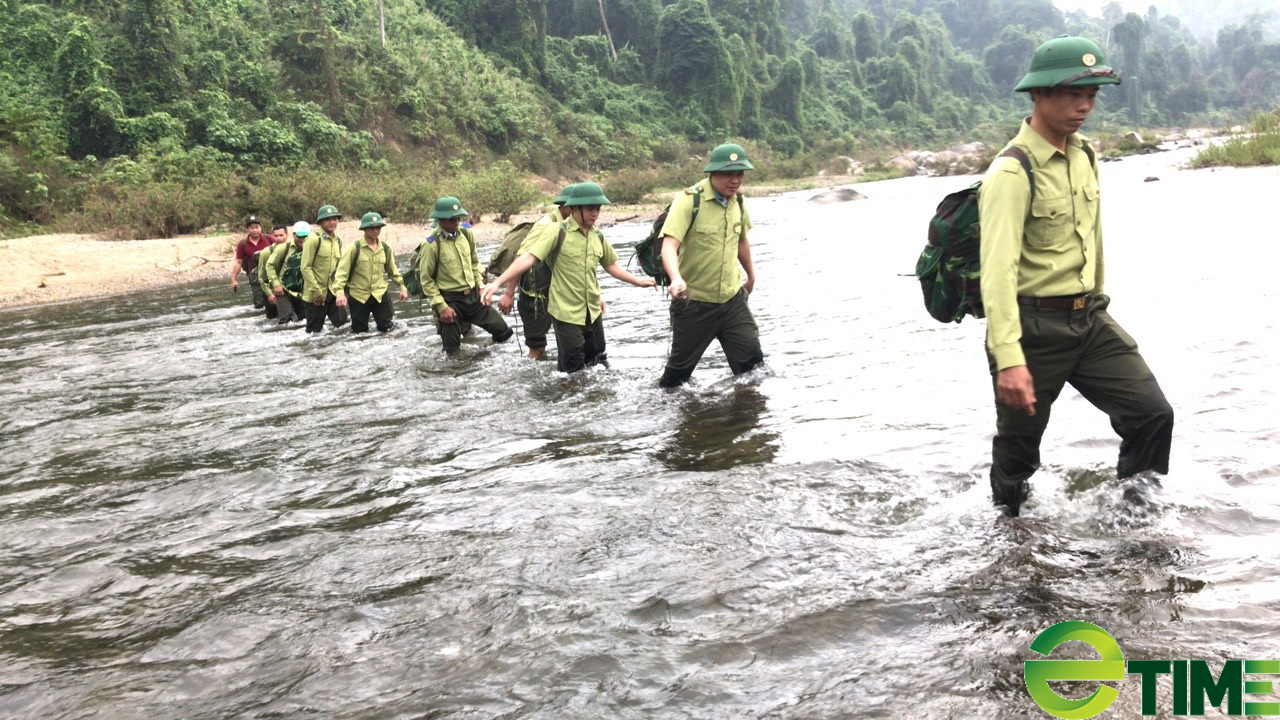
(1089, 350)
(695, 324)
(535, 319)
(469, 310)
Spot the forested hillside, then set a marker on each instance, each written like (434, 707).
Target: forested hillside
(204, 109)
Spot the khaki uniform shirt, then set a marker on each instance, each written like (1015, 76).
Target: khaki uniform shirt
(275, 265)
(320, 253)
(264, 262)
(709, 250)
(574, 296)
(548, 224)
(1051, 248)
(362, 271)
(448, 264)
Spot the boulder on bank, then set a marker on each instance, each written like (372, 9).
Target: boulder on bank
(837, 195)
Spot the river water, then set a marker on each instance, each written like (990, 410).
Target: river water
(204, 517)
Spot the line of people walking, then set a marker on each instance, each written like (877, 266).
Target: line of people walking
(305, 273)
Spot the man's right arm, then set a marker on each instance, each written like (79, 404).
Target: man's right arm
(1003, 201)
(677, 226)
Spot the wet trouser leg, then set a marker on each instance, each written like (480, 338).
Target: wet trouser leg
(291, 308)
(578, 346)
(259, 297)
(360, 313)
(1089, 350)
(383, 312)
(467, 307)
(316, 314)
(535, 319)
(272, 311)
(695, 324)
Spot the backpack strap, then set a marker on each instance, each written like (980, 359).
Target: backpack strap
(555, 251)
(1020, 155)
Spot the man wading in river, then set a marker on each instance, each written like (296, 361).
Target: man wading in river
(320, 255)
(246, 249)
(1047, 319)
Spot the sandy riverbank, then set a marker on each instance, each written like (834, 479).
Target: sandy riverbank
(55, 268)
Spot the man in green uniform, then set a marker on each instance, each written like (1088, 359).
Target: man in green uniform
(280, 235)
(361, 279)
(532, 304)
(702, 256)
(1042, 284)
(451, 275)
(320, 255)
(574, 294)
(289, 302)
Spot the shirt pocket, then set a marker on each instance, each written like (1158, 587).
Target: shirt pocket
(1050, 221)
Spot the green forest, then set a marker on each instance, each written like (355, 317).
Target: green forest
(157, 117)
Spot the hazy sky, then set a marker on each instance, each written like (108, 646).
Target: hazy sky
(1094, 7)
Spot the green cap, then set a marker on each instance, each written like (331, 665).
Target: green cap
(447, 208)
(563, 197)
(326, 212)
(302, 228)
(728, 158)
(586, 193)
(371, 220)
(1068, 61)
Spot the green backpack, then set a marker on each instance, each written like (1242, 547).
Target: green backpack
(648, 251)
(537, 279)
(950, 267)
(291, 277)
(412, 280)
(509, 250)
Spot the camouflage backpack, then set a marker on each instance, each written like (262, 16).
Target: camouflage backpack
(950, 267)
(291, 274)
(412, 279)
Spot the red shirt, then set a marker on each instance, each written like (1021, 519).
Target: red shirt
(246, 248)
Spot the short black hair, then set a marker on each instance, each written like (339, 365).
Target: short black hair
(279, 227)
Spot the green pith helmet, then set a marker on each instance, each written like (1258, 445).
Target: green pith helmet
(1068, 61)
(563, 197)
(586, 193)
(326, 212)
(447, 208)
(371, 220)
(728, 158)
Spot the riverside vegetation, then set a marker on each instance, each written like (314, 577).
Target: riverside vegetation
(157, 117)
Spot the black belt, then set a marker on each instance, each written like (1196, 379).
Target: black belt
(1059, 302)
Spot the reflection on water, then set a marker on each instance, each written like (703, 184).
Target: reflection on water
(206, 518)
(720, 432)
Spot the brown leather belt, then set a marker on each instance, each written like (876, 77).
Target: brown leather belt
(1060, 302)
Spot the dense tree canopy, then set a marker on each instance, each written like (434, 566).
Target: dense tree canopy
(161, 90)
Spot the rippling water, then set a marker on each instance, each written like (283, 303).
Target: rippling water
(204, 517)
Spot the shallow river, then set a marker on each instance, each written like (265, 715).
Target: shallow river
(203, 517)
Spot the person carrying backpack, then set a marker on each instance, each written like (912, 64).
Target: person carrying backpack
(1042, 284)
(361, 279)
(451, 276)
(279, 235)
(571, 255)
(702, 256)
(284, 275)
(246, 249)
(532, 305)
(320, 255)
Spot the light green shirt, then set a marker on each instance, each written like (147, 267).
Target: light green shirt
(362, 271)
(709, 250)
(548, 224)
(1052, 248)
(574, 296)
(264, 262)
(320, 253)
(275, 265)
(448, 264)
